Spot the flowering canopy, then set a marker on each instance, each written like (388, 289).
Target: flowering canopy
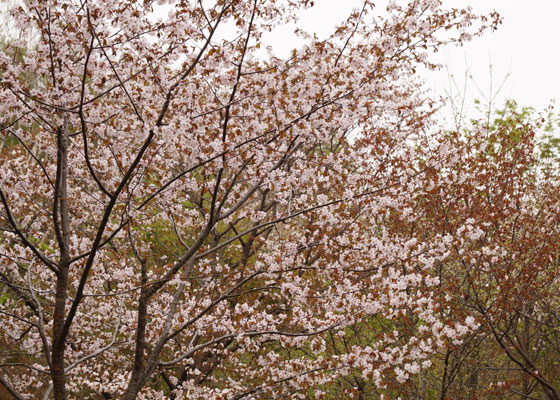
(188, 216)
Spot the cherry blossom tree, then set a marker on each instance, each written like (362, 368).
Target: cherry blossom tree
(499, 212)
(186, 215)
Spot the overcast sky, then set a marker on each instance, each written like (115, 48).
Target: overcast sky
(526, 46)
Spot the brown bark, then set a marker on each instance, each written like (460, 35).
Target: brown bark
(61, 223)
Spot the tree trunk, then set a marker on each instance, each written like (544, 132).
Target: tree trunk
(62, 228)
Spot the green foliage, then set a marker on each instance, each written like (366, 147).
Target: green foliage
(4, 298)
(549, 145)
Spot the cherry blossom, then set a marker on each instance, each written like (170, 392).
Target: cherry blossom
(183, 217)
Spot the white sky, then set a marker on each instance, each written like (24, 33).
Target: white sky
(526, 46)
